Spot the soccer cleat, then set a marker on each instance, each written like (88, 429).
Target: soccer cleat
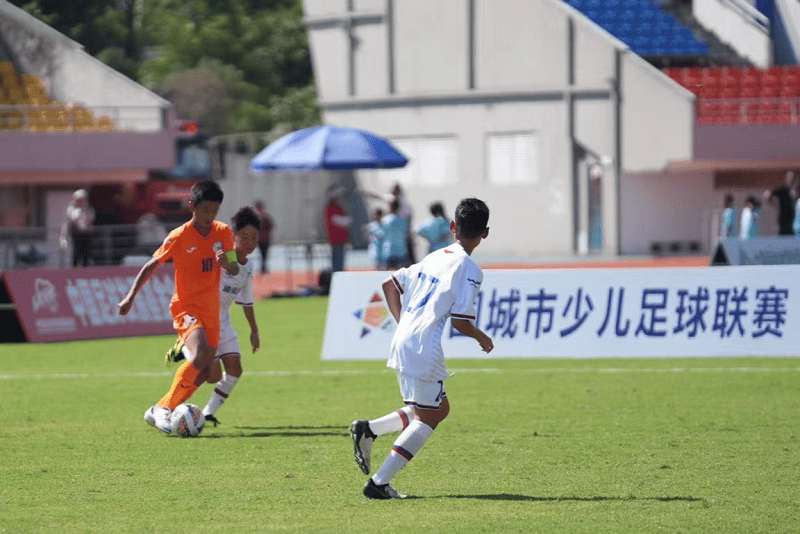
(362, 443)
(175, 354)
(211, 419)
(382, 491)
(159, 417)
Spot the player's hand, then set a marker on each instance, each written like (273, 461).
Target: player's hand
(125, 306)
(255, 341)
(486, 343)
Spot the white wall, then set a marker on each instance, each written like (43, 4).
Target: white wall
(678, 207)
(736, 27)
(521, 85)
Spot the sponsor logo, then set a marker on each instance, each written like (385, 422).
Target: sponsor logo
(190, 250)
(375, 315)
(44, 295)
(475, 283)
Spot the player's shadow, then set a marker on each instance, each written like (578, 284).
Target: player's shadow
(513, 497)
(281, 431)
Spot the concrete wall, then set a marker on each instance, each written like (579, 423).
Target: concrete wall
(680, 206)
(738, 25)
(413, 70)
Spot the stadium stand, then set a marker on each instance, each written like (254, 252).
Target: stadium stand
(732, 95)
(728, 90)
(25, 105)
(644, 26)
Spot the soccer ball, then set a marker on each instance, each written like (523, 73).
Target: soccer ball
(187, 421)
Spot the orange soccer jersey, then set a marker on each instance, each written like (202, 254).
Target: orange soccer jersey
(195, 302)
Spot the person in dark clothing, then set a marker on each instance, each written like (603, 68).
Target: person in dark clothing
(783, 197)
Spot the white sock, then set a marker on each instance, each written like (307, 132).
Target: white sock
(405, 448)
(393, 422)
(221, 392)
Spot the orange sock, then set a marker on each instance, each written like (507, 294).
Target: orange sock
(182, 386)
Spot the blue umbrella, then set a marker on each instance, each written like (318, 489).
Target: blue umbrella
(329, 147)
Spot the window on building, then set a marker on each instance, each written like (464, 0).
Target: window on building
(512, 158)
(432, 162)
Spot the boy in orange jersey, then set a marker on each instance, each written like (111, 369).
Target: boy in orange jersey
(198, 250)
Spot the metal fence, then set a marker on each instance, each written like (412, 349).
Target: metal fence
(22, 248)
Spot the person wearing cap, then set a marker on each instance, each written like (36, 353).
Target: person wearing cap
(78, 224)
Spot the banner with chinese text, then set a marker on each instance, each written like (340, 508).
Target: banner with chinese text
(594, 313)
(71, 304)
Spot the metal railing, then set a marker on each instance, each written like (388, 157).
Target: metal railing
(60, 117)
(775, 110)
(22, 248)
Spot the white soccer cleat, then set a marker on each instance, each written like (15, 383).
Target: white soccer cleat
(159, 418)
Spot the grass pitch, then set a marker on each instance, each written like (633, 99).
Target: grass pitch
(689, 445)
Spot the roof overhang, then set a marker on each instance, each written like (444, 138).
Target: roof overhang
(716, 165)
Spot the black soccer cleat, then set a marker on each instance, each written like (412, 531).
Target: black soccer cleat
(211, 419)
(362, 443)
(382, 491)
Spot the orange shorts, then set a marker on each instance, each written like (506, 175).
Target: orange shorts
(185, 322)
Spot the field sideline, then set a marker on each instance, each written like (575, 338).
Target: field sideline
(612, 445)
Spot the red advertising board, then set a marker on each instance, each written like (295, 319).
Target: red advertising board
(72, 304)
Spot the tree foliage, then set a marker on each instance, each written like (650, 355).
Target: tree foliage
(231, 65)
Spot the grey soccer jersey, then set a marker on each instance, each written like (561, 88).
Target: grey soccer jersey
(444, 284)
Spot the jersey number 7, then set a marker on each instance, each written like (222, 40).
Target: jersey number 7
(432, 283)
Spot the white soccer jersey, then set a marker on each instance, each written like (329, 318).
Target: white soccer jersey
(444, 284)
(236, 288)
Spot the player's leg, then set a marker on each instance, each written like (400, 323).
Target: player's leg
(430, 404)
(225, 384)
(365, 432)
(192, 373)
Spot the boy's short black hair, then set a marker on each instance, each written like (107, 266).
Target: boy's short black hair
(206, 190)
(437, 210)
(472, 216)
(246, 216)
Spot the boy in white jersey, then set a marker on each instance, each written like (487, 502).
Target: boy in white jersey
(232, 288)
(421, 298)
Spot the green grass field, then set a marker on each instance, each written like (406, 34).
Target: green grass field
(644, 445)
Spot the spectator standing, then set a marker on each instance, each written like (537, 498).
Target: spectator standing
(404, 211)
(436, 228)
(266, 225)
(395, 230)
(374, 234)
(728, 226)
(783, 198)
(337, 225)
(748, 228)
(78, 225)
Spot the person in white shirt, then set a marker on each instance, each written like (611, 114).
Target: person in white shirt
(237, 289)
(748, 228)
(421, 298)
(78, 225)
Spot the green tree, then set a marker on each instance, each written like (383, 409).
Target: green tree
(231, 65)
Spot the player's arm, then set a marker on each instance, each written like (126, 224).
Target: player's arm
(225, 262)
(392, 294)
(465, 326)
(250, 315)
(141, 278)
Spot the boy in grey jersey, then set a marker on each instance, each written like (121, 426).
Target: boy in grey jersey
(421, 298)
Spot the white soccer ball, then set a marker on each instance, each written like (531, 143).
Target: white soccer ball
(187, 421)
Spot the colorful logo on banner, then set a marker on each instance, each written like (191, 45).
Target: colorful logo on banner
(374, 316)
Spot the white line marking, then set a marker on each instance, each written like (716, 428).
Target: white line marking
(335, 372)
